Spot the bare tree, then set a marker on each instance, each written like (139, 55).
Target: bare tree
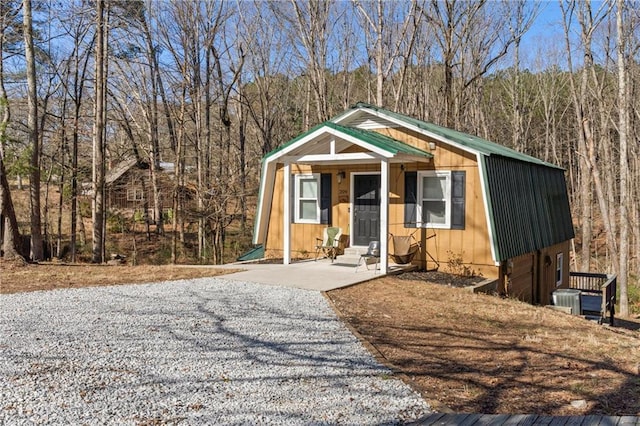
(580, 109)
(9, 235)
(138, 91)
(389, 44)
(472, 38)
(78, 29)
(268, 90)
(308, 24)
(34, 139)
(99, 139)
(623, 130)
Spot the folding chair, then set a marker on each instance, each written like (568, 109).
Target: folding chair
(329, 243)
(373, 252)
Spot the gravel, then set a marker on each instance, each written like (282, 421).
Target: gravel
(205, 351)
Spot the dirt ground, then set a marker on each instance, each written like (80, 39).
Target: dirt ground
(477, 353)
(462, 352)
(18, 277)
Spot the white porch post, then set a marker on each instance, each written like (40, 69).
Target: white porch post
(384, 216)
(286, 237)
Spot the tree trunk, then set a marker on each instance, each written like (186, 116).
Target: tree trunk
(78, 89)
(98, 211)
(154, 144)
(34, 140)
(623, 128)
(9, 234)
(11, 238)
(579, 101)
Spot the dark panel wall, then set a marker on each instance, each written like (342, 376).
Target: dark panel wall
(530, 206)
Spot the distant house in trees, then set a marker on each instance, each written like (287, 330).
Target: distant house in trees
(470, 202)
(129, 187)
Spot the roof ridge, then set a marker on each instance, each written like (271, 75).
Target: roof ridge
(468, 140)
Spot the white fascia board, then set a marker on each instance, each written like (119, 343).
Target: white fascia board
(267, 182)
(417, 129)
(286, 151)
(331, 158)
(379, 151)
(347, 115)
(485, 199)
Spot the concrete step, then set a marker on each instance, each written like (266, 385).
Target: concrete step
(352, 255)
(355, 251)
(348, 259)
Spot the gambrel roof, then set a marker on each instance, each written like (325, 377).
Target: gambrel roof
(526, 201)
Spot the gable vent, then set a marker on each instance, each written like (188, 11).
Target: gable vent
(368, 122)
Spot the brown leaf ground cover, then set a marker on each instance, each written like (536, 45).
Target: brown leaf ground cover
(19, 277)
(483, 354)
(464, 352)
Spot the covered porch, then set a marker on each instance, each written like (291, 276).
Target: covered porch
(333, 176)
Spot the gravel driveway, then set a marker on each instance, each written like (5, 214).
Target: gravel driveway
(206, 351)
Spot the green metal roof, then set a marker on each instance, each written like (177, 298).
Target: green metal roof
(291, 142)
(381, 141)
(527, 200)
(470, 141)
(529, 206)
(252, 254)
(376, 139)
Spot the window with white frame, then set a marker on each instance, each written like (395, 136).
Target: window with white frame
(134, 194)
(434, 199)
(559, 266)
(307, 198)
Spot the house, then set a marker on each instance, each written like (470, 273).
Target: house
(469, 201)
(129, 187)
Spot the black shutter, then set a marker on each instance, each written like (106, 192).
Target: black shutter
(410, 199)
(457, 199)
(325, 198)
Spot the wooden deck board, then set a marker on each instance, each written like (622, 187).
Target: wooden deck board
(515, 419)
(441, 419)
(459, 419)
(628, 420)
(532, 419)
(558, 421)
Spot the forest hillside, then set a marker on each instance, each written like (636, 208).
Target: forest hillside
(145, 121)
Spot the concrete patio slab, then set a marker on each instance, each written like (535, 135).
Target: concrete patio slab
(320, 275)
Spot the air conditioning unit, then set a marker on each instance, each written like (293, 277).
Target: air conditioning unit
(568, 297)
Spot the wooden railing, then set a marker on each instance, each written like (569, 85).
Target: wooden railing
(602, 284)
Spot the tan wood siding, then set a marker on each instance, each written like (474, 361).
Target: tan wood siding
(521, 284)
(548, 264)
(471, 244)
(532, 277)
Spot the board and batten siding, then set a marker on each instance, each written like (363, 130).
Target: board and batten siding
(531, 277)
(470, 244)
(303, 235)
